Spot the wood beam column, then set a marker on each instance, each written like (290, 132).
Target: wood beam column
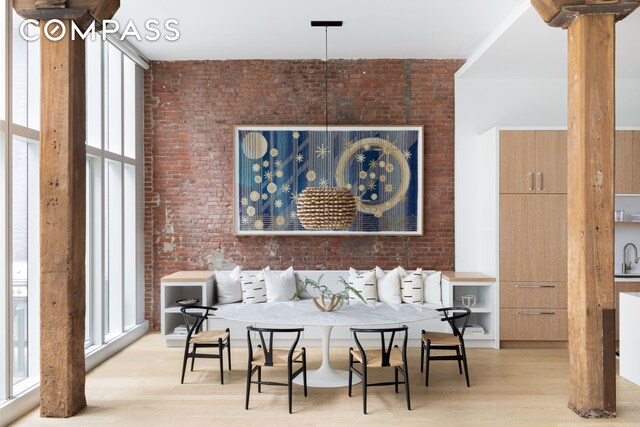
(590, 219)
(62, 226)
(62, 197)
(590, 192)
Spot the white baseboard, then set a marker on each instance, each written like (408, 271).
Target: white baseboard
(14, 408)
(104, 352)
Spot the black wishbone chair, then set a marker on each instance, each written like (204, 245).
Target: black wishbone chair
(264, 355)
(387, 355)
(194, 316)
(446, 341)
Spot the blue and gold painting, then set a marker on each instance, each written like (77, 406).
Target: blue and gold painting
(381, 166)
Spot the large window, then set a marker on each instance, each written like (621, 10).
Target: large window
(114, 256)
(19, 216)
(4, 246)
(113, 251)
(25, 77)
(25, 253)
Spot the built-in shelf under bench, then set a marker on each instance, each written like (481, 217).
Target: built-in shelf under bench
(484, 313)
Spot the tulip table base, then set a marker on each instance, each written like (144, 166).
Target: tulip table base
(326, 376)
(297, 313)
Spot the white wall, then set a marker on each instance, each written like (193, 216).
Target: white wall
(483, 104)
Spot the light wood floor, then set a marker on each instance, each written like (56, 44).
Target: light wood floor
(141, 387)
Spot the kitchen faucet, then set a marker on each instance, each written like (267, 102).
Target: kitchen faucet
(627, 266)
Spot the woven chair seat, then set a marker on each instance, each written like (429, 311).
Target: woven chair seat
(440, 338)
(374, 357)
(209, 337)
(279, 357)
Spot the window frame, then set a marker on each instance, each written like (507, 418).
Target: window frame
(33, 275)
(97, 346)
(105, 155)
(10, 131)
(5, 250)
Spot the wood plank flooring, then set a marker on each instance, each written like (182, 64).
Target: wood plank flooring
(514, 387)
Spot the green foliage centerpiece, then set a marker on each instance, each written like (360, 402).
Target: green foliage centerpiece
(328, 299)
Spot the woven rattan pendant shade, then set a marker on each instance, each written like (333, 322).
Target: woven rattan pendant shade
(326, 208)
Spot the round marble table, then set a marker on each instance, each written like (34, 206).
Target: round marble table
(304, 313)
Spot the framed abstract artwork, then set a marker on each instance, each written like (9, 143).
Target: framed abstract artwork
(381, 166)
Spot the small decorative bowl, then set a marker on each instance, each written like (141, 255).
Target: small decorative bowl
(468, 300)
(188, 302)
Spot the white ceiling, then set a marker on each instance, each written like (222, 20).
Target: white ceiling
(523, 45)
(529, 48)
(280, 29)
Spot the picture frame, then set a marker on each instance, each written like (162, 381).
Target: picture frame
(381, 165)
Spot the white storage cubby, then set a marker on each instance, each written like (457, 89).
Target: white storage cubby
(177, 286)
(484, 313)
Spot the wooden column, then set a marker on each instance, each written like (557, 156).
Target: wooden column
(62, 227)
(592, 368)
(590, 193)
(62, 199)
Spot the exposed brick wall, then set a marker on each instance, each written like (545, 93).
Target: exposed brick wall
(190, 110)
(151, 298)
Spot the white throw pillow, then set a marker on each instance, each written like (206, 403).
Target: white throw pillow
(411, 287)
(365, 283)
(253, 288)
(280, 286)
(432, 288)
(388, 286)
(228, 286)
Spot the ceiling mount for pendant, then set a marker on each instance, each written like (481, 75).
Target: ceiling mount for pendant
(326, 23)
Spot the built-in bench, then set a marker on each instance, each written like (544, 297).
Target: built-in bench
(340, 335)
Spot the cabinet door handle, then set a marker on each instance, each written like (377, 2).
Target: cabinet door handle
(531, 182)
(534, 313)
(539, 181)
(535, 286)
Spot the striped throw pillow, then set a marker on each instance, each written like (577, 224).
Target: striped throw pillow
(411, 287)
(365, 283)
(254, 289)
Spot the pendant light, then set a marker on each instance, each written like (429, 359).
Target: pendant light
(332, 208)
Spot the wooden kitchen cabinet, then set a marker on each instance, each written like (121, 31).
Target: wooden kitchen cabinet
(624, 162)
(533, 294)
(533, 231)
(551, 161)
(627, 154)
(520, 324)
(533, 162)
(636, 161)
(533, 238)
(536, 162)
(517, 161)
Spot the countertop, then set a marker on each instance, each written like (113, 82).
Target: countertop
(456, 276)
(632, 294)
(627, 279)
(188, 276)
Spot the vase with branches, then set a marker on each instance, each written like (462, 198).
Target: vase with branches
(328, 300)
